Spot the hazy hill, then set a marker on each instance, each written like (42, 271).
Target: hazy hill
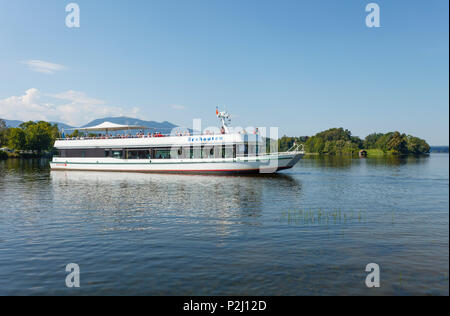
(439, 149)
(163, 127)
(123, 120)
(16, 123)
(12, 123)
(62, 125)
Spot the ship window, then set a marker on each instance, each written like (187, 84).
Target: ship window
(207, 151)
(252, 149)
(131, 155)
(261, 148)
(144, 154)
(117, 154)
(162, 154)
(240, 150)
(137, 154)
(197, 152)
(228, 152)
(180, 153)
(83, 153)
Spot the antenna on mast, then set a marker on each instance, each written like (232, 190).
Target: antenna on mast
(225, 119)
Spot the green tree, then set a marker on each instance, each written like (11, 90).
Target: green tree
(370, 142)
(334, 134)
(382, 140)
(25, 125)
(397, 144)
(16, 139)
(285, 142)
(319, 146)
(333, 141)
(39, 136)
(417, 146)
(337, 141)
(3, 133)
(329, 147)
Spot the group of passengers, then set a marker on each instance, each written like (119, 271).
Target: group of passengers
(139, 134)
(208, 132)
(182, 134)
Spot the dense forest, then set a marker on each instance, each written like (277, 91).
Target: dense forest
(339, 141)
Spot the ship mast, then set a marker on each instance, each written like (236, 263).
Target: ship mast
(225, 119)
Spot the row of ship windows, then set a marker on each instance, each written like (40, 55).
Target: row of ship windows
(165, 153)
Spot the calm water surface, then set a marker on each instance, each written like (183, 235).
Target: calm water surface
(309, 231)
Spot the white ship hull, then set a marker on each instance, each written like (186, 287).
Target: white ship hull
(241, 165)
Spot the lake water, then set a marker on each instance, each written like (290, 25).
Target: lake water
(308, 231)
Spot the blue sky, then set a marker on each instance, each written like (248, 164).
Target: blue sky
(303, 66)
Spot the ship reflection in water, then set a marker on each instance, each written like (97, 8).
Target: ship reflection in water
(133, 201)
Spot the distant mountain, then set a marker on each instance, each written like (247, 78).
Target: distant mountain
(12, 123)
(15, 123)
(62, 125)
(439, 149)
(164, 127)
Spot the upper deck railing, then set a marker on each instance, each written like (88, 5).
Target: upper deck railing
(124, 136)
(149, 135)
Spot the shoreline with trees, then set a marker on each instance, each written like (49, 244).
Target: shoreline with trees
(29, 140)
(339, 141)
(36, 139)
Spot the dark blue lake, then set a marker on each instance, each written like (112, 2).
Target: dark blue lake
(308, 231)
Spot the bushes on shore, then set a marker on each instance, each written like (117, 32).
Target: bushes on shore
(334, 141)
(339, 141)
(397, 143)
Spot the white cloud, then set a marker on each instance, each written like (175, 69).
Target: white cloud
(76, 97)
(72, 107)
(44, 67)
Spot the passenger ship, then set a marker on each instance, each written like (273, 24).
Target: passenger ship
(223, 153)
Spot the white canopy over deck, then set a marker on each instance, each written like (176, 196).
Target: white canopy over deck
(109, 127)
